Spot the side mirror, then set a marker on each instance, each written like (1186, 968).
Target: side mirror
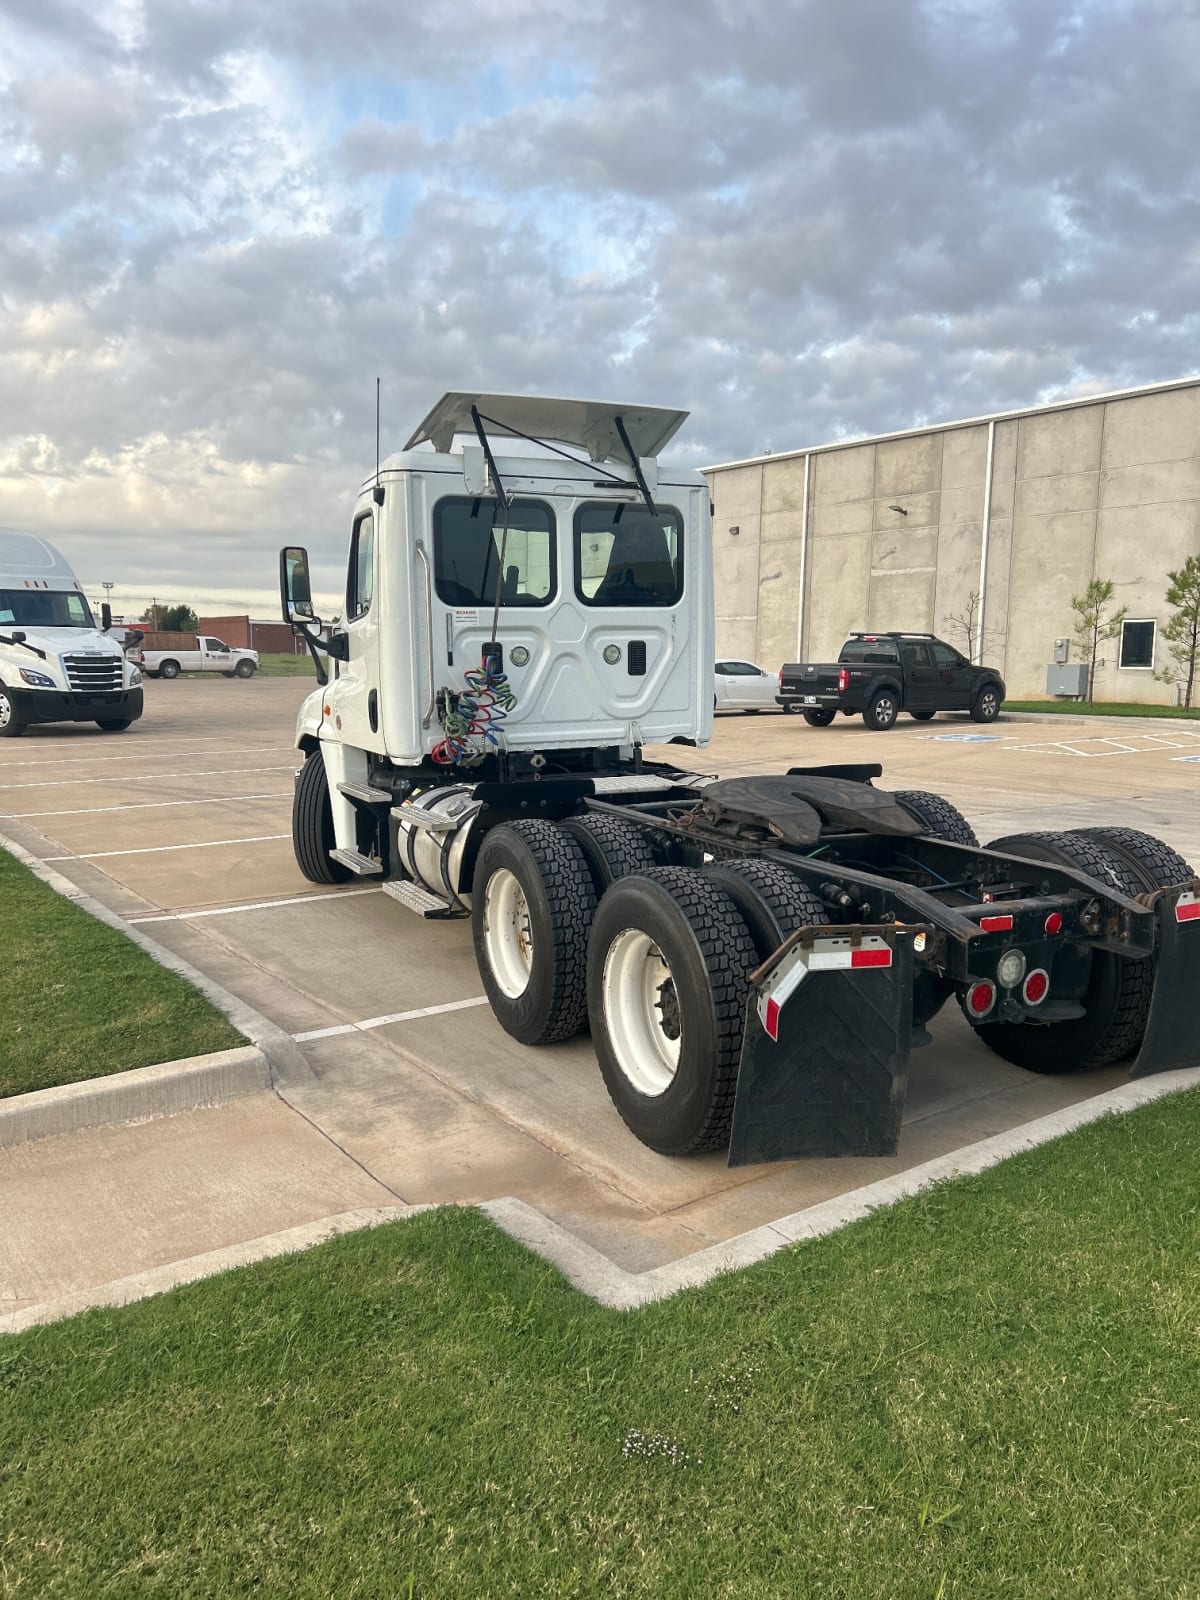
(295, 586)
(105, 616)
(133, 636)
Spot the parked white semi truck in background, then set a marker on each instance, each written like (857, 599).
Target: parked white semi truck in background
(56, 665)
(755, 957)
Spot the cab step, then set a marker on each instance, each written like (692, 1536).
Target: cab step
(365, 792)
(362, 866)
(420, 818)
(419, 899)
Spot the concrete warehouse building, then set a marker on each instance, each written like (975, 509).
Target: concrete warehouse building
(1021, 510)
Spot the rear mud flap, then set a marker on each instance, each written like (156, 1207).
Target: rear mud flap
(1172, 1037)
(824, 1068)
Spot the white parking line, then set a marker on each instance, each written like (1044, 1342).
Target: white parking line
(252, 905)
(157, 849)
(142, 755)
(151, 805)
(395, 1016)
(138, 777)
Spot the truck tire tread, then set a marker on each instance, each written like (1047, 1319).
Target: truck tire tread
(612, 847)
(1119, 989)
(554, 1006)
(941, 819)
(312, 825)
(695, 1114)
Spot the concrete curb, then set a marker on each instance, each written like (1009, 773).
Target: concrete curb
(287, 1062)
(593, 1273)
(157, 1280)
(139, 1095)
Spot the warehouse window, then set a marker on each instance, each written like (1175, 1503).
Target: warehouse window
(1137, 644)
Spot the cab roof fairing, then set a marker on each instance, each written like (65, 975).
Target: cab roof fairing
(533, 470)
(588, 424)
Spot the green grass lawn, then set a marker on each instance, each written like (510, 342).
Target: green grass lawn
(79, 999)
(1101, 708)
(990, 1391)
(285, 666)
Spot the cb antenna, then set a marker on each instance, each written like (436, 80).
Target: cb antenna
(377, 492)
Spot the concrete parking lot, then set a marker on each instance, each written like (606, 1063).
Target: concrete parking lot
(182, 826)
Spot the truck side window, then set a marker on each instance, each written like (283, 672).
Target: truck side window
(469, 543)
(626, 557)
(944, 656)
(361, 578)
(917, 655)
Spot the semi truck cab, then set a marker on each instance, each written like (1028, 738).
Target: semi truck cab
(56, 665)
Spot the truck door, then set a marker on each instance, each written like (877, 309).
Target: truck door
(953, 678)
(920, 679)
(354, 693)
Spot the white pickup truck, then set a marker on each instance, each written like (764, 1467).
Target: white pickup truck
(209, 655)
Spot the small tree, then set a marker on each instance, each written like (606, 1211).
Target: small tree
(1182, 632)
(179, 619)
(1095, 623)
(963, 628)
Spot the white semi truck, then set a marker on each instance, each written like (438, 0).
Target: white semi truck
(56, 665)
(755, 957)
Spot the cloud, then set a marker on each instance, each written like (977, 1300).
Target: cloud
(221, 222)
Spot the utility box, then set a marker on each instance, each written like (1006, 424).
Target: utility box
(1067, 679)
(1062, 650)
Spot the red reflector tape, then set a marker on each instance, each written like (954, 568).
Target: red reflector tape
(1187, 911)
(872, 958)
(771, 1021)
(995, 924)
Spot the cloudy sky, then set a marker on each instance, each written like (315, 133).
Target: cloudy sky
(801, 219)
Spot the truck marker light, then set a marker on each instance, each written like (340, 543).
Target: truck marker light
(1187, 908)
(1054, 923)
(1010, 969)
(1037, 987)
(981, 997)
(996, 924)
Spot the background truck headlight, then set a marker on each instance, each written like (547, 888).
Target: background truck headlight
(37, 680)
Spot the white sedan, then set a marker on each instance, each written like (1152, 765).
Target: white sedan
(741, 686)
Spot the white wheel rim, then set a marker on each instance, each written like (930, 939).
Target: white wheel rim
(508, 933)
(5, 709)
(640, 1018)
(885, 710)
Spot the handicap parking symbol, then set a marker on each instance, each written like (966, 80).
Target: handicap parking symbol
(968, 738)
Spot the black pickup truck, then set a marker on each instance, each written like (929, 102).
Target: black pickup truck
(882, 674)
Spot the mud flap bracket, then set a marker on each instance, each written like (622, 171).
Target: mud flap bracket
(1172, 1037)
(824, 1068)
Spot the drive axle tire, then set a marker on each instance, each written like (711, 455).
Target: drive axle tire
(169, 669)
(532, 904)
(1117, 997)
(772, 901)
(11, 726)
(244, 669)
(612, 847)
(883, 710)
(986, 705)
(821, 718)
(115, 724)
(1157, 863)
(668, 966)
(940, 818)
(312, 825)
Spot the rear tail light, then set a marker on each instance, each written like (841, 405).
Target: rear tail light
(1054, 923)
(843, 680)
(1036, 987)
(981, 997)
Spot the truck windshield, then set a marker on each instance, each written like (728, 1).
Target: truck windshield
(44, 608)
(626, 557)
(468, 536)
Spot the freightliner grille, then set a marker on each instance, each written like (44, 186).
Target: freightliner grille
(93, 674)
